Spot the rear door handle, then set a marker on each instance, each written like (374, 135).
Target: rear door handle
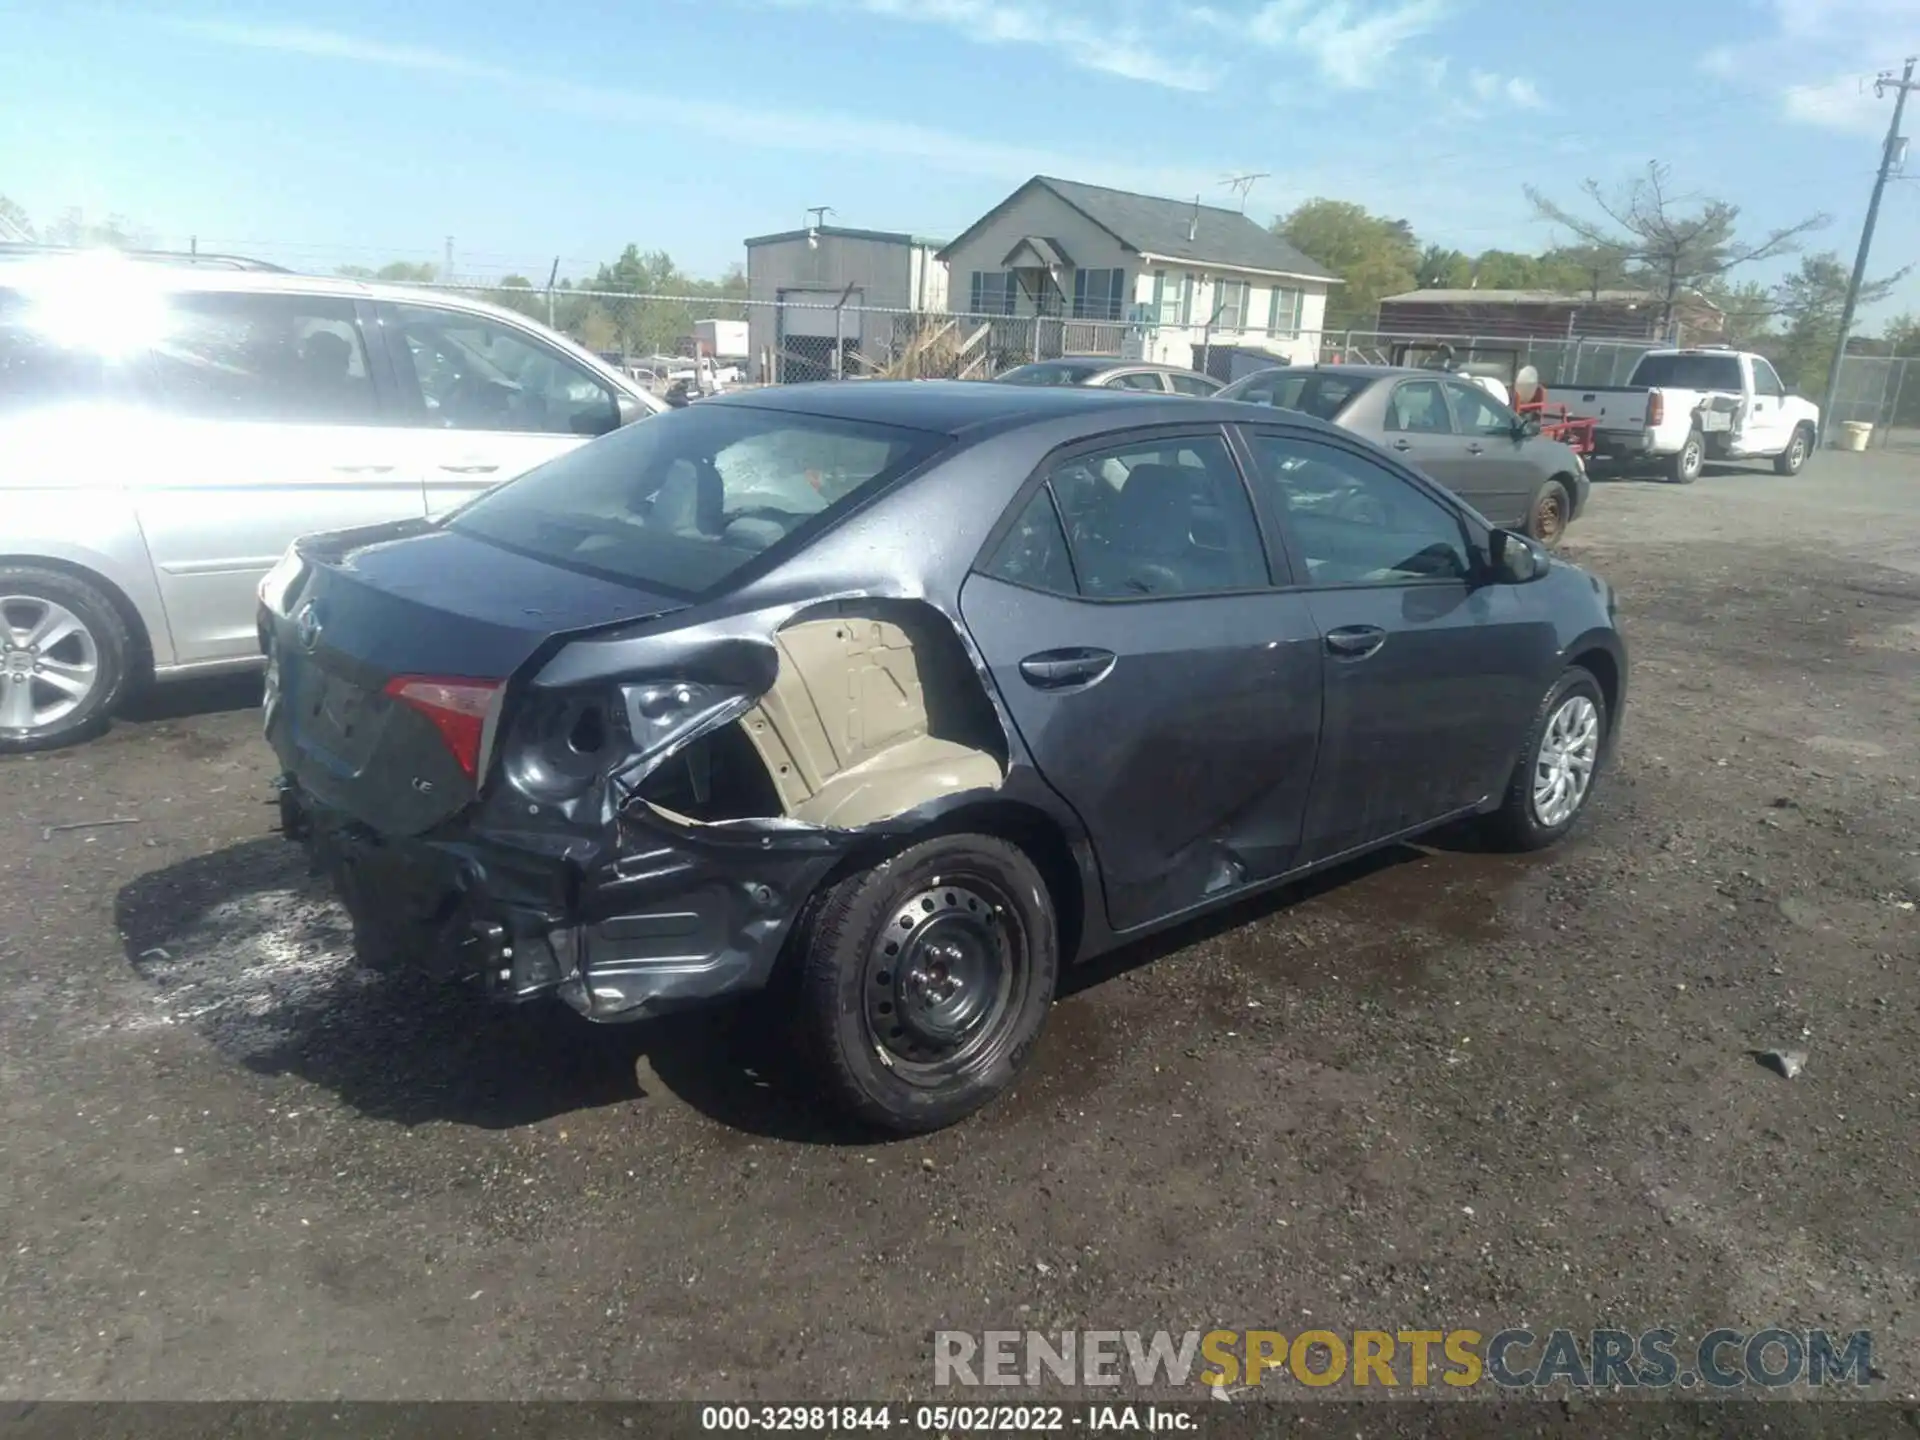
(1355, 642)
(1065, 669)
(469, 469)
(363, 469)
(1403, 445)
(1476, 448)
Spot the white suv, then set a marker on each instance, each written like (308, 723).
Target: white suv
(167, 428)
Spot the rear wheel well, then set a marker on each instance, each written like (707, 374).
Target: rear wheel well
(1031, 829)
(141, 670)
(1606, 673)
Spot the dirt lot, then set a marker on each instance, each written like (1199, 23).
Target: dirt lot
(1443, 1088)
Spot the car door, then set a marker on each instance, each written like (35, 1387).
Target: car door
(1418, 427)
(1165, 687)
(1430, 675)
(267, 420)
(487, 400)
(1495, 474)
(1767, 428)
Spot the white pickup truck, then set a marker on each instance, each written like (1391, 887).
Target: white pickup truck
(1681, 408)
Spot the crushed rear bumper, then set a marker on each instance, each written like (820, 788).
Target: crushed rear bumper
(665, 918)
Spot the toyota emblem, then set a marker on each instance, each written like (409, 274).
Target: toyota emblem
(307, 626)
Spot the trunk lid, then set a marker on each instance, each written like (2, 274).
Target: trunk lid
(377, 609)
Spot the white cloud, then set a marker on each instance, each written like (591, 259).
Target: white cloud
(1350, 43)
(1844, 43)
(817, 132)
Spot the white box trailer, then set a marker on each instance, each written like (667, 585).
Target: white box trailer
(722, 339)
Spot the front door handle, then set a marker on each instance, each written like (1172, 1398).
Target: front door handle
(1065, 669)
(363, 469)
(1355, 642)
(469, 469)
(1476, 448)
(1403, 446)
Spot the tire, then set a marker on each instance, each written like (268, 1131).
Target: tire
(1523, 821)
(902, 1046)
(1684, 467)
(39, 705)
(1549, 514)
(1790, 460)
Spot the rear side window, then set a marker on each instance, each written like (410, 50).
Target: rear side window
(681, 501)
(1050, 372)
(39, 363)
(285, 358)
(1192, 385)
(1034, 553)
(1312, 392)
(1159, 517)
(1138, 380)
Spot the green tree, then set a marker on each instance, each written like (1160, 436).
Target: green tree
(1670, 242)
(14, 222)
(1809, 301)
(1903, 334)
(1443, 269)
(1584, 269)
(394, 272)
(1506, 270)
(1373, 255)
(516, 292)
(1749, 308)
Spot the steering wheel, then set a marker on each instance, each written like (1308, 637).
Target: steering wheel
(1360, 508)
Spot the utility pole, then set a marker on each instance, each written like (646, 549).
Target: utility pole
(447, 274)
(1889, 153)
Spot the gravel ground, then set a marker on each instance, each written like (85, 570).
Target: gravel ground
(1440, 1088)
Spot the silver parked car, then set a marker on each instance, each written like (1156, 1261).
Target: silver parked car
(1110, 373)
(168, 428)
(1446, 425)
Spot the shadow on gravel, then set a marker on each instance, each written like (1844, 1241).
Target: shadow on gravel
(178, 700)
(255, 954)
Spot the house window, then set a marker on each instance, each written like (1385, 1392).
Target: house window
(1230, 304)
(1172, 297)
(991, 293)
(1283, 312)
(1098, 294)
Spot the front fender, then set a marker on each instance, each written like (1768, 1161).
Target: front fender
(92, 529)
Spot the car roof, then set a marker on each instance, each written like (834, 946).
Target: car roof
(1361, 372)
(1114, 362)
(967, 407)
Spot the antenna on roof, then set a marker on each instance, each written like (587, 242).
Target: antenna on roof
(1193, 225)
(1242, 184)
(819, 214)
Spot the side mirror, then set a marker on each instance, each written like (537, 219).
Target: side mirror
(1515, 559)
(629, 409)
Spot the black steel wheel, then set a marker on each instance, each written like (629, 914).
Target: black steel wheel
(1552, 509)
(926, 980)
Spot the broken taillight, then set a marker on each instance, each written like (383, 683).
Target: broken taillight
(457, 707)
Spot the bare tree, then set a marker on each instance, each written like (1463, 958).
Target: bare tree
(1670, 242)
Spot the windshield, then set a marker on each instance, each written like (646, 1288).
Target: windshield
(1689, 372)
(1314, 392)
(680, 501)
(1051, 372)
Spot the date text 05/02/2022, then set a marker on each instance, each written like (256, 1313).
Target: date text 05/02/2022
(945, 1419)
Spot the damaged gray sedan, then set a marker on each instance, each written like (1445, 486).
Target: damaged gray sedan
(911, 693)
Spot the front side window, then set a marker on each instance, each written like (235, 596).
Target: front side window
(291, 359)
(682, 501)
(41, 363)
(1478, 413)
(1097, 294)
(1766, 380)
(1416, 407)
(474, 373)
(1355, 521)
(1159, 517)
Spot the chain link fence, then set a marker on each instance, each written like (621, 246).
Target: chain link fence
(1574, 360)
(1877, 390)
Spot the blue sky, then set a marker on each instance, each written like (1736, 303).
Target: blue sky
(349, 131)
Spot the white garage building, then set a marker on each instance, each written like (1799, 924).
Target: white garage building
(807, 287)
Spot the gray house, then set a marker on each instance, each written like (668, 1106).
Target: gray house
(1189, 276)
(829, 283)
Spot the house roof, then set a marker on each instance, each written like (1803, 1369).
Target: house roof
(1041, 248)
(842, 232)
(1534, 297)
(1150, 225)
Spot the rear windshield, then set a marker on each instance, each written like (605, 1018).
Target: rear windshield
(680, 501)
(1689, 372)
(1051, 372)
(1313, 392)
